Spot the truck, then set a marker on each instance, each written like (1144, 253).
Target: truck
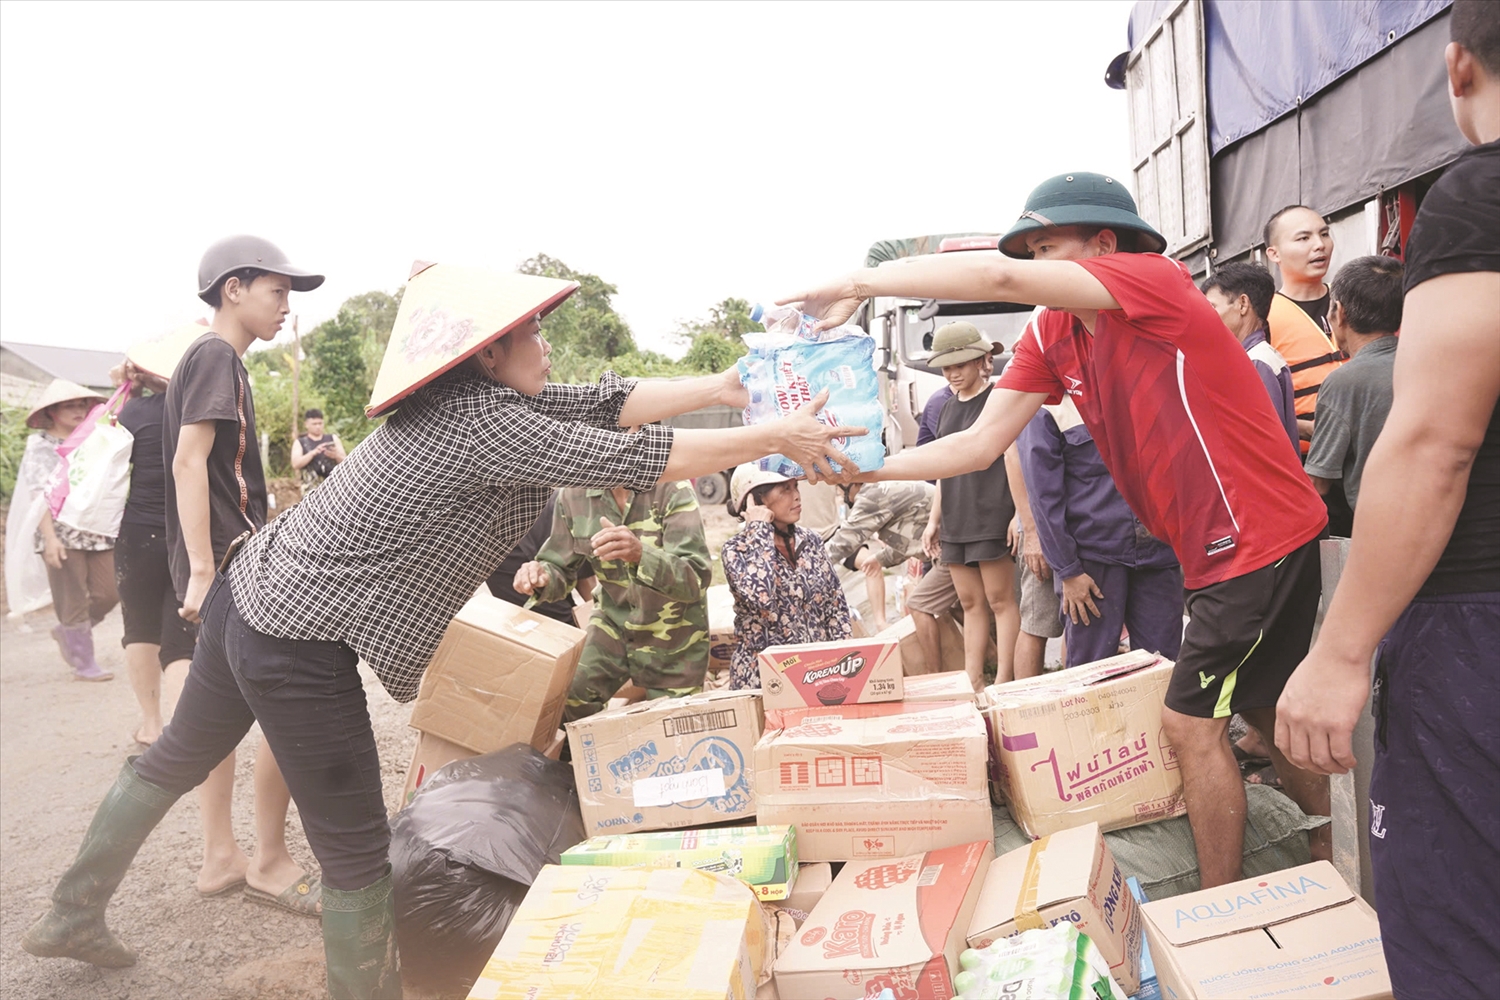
(1238, 109)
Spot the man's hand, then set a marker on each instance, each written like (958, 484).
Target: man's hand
(530, 578)
(1318, 709)
(734, 392)
(870, 565)
(1304, 428)
(755, 511)
(197, 590)
(832, 303)
(809, 442)
(1078, 598)
(931, 543)
(615, 543)
(1031, 551)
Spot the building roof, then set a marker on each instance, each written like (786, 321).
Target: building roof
(87, 368)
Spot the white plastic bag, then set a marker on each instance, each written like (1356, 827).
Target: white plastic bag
(26, 586)
(88, 490)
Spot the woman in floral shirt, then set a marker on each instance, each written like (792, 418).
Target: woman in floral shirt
(785, 588)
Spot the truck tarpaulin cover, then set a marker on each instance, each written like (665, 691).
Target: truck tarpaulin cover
(466, 850)
(1265, 58)
(916, 246)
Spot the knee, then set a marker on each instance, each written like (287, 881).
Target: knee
(1188, 733)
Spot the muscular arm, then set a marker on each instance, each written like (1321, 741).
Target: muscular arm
(1413, 488)
(1004, 414)
(300, 458)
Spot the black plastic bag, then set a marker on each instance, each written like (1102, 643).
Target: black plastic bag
(464, 852)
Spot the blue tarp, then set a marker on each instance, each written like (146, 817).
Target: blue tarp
(1264, 57)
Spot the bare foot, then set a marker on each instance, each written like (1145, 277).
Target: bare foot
(147, 735)
(1253, 745)
(275, 877)
(218, 874)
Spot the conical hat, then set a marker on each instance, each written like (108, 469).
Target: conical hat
(448, 314)
(59, 391)
(159, 356)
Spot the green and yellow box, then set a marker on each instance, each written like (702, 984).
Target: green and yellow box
(763, 857)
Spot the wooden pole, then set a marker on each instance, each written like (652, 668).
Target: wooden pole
(296, 381)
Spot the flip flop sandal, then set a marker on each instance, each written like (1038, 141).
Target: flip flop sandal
(224, 889)
(1265, 776)
(301, 898)
(1248, 761)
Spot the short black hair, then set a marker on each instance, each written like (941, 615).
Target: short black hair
(1368, 290)
(1244, 278)
(1476, 26)
(314, 414)
(247, 275)
(1265, 234)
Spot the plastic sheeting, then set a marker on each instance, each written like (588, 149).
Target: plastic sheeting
(1264, 59)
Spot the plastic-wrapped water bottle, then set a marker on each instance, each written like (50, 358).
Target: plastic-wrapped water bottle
(783, 319)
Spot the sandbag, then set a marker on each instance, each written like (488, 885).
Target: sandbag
(464, 852)
(1162, 855)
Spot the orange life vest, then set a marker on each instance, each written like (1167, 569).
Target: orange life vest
(1309, 352)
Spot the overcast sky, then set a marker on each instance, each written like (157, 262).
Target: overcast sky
(684, 152)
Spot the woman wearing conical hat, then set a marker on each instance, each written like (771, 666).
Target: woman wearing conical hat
(80, 565)
(373, 565)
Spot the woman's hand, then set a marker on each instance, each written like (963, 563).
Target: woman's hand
(808, 441)
(733, 392)
(756, 511)
(530, 578)
(53, 553)
(931, 544)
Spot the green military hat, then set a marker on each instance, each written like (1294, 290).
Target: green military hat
(955, 343)
(1080, 199)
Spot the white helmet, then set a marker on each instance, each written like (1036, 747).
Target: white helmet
(746, 478)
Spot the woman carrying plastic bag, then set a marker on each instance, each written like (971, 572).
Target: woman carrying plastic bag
(75, 541)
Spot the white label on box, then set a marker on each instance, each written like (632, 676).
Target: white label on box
(669, 789)
(524, 627)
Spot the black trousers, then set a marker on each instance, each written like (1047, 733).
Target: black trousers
(310, 703)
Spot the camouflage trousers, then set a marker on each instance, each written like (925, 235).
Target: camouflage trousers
(608, 663)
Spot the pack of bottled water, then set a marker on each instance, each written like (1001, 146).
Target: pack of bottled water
(789, 364)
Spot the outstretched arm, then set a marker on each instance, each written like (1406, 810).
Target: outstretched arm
(1004, 414)
(655, 399)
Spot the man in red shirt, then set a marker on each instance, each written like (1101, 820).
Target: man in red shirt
(1185, 428)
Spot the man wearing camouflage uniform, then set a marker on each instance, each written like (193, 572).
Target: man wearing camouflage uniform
(650, 619)
(895, 513)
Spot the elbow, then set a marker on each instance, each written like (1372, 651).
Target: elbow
(999, 278)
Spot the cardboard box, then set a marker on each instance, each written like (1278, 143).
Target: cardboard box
(1301, 931)
(668, 763)
(882, 787)
(1086, 746)
(500, 676)
(953, 685)
(763, 857)
(897, 923)
(721, 635)
(1068, 876)
(628, 932)
(813, 879)
(828, 674)
(913, 659)
(431, 753)
(786, 718)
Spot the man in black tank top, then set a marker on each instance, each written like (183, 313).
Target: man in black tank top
(315, 452)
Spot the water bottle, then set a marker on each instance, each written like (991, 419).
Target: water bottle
(783, 319)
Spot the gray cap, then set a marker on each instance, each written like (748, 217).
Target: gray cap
(235, 252)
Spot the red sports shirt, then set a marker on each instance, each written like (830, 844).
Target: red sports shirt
(1182, 421)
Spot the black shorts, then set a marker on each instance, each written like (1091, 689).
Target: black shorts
(971, 554)
(148, 601)
(1245, 636)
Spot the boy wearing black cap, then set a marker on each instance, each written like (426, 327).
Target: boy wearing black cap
(1181, 422)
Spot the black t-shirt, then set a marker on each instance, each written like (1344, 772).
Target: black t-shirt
(1458, 231)
(1316, 308)
(977, 506)
(211, 384)
(147, 504)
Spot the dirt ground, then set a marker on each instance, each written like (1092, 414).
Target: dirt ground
(61, 745)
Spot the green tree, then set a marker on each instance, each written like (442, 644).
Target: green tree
(715, 343)
(270, 373)
(338, 371)
(587, 322)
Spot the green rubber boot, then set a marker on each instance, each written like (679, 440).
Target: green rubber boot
(359, 942)
(74, 927)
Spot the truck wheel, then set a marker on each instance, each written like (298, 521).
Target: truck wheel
(712, 488)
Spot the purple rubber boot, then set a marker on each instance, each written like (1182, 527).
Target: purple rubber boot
(81, 642)
(64, 646)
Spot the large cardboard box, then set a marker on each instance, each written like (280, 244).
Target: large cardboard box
(606, 933)
(1297, 932)
(430, 753)
(897, 923)
(721, 635)
(668, 763)
(500, 676)
(1066, 876)
(1086, 746)
(882, 787)
(828, 674)
(914, 659)
(763, 857)
(813, 879)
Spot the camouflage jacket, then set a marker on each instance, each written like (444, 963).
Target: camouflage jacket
(894, 512)
(656, 608)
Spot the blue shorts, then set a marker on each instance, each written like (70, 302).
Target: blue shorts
(1435, 797)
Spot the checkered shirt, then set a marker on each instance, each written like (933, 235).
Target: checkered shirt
(406, 528)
